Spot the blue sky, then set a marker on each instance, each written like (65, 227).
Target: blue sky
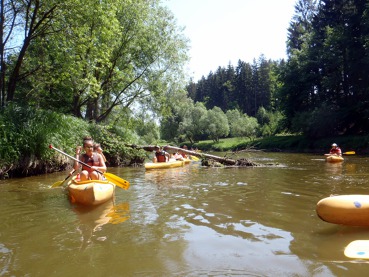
(224, 31)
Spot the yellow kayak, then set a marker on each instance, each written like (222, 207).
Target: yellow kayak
(334, 159)
(91, 192)
(164, 165)
(350, 210)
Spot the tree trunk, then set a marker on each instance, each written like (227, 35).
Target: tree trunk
(223, 160)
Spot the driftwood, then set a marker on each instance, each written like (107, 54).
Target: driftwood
(222, 160)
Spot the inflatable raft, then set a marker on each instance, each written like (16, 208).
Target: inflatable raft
(334, 159)
(164, 165)
(357, 249)
(91, 192)
(351, 210)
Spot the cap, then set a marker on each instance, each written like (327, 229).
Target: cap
(334, 144)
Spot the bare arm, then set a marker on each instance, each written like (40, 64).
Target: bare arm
(76, 165)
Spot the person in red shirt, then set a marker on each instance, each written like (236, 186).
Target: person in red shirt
(335, 150)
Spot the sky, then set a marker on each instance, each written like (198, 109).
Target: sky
(221, 32)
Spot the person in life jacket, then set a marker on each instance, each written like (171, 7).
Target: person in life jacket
(93, 159)
(335, 150)
(161, 156)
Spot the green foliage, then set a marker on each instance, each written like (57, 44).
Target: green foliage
(242, 125)
(325, 88)
(246, 87)
(194, 123)
(101, 57)
(217, 124)
(113, 144)
(270, 122)
(26, 134)
(312, 124)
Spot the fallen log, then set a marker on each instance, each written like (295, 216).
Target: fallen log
(222, 160)
(201, 155)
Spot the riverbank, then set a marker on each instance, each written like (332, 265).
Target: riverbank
(288, 143)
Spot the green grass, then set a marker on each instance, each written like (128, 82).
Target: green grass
(287, 143)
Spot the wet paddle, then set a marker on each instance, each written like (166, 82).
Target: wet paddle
(59, 183)
(109, 176)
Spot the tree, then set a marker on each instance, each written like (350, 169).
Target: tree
(241, 125)
(326, 71)
(194, 123)
(243, 86)
(21, 23)
(216, 124)
(106, 55)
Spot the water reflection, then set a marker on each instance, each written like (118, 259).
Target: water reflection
(91, 219)
(188, 221)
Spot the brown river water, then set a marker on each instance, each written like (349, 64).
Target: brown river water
(188, 221)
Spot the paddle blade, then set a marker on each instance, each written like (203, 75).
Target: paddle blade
(117, 180)
(350, 153)
(194, 158)
(57, 184)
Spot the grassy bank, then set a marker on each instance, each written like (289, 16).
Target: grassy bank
(290, 143)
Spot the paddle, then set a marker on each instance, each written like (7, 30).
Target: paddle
(345, 153)
(194, 158)
(109, 176)
(59, 183)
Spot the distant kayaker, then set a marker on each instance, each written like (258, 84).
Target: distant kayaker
(161, 156)
(184, 155)
(178, 157)
(94, 159)
(335, 150)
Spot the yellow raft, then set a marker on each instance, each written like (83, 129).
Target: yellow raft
(171, 164)
(334, 159)
(351, 210)
(357, 249)
(91, 192)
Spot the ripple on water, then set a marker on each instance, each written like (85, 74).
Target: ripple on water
(6, 256)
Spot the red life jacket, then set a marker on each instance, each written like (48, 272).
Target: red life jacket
(160, 156)
(92, 161)
(336, 150)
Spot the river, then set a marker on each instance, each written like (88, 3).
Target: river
(188, 221)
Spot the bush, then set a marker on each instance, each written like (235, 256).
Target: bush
(26, 133)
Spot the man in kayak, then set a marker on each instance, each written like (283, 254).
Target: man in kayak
(94, 159)
(161, 156)
(335, 150)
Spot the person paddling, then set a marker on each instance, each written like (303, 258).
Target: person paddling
(335, 150)
(94, 159)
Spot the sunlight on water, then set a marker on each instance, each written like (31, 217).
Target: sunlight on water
(187, 221)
